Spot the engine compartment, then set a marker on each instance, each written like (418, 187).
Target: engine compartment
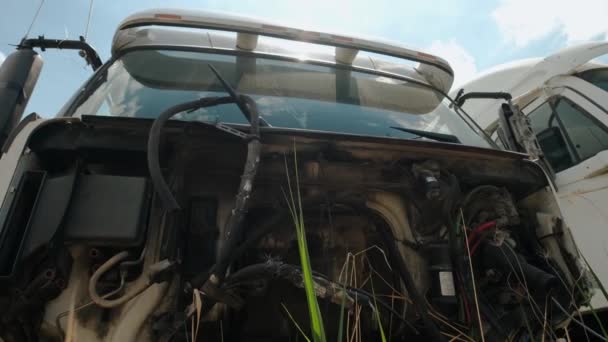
(410, 239)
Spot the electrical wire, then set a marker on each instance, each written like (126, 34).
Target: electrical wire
(481, 331)
(27, 33)
(522, 280)
(418, 300)
(86, 30)
(480, 229)
(278, 269)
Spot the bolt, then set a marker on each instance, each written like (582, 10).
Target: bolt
(94, 253)
(49, 273)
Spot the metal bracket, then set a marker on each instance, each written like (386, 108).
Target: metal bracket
(231, 130)
(86, 50)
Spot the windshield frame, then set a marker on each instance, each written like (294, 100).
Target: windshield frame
(99, 75)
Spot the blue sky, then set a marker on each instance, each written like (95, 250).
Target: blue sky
(471, 35)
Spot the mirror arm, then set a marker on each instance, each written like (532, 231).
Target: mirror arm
(86, 51)
(515, 129)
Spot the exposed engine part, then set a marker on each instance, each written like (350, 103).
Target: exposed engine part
(443, 290)
(427, 174)
(486, 203)
(30, 291)
(386, 238)
(504, 257)
(324, 288)
(512, 271)
(153, 273)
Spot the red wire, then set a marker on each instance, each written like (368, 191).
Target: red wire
(467, 310)
(474, 248)
(463, 297)
(482, 227)
(471, 238)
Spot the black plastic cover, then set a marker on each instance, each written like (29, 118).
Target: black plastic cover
(46, 217)
(108, 210)
(103, 210)
(15, 229)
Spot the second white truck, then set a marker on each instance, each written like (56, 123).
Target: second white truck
(565, 98)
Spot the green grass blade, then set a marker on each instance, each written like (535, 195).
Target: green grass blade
(316, 320)
(377, 312)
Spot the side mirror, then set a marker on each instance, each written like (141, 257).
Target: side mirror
(19, 73)
(18, 76)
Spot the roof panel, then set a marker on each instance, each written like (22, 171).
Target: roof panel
(434, 69)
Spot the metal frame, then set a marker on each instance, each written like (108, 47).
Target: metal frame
(86, 50)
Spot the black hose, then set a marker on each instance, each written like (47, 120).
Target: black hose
(293, 272)
(235, 225)
(419, 302)
(235, 221)
(228, 258)
(161, 187)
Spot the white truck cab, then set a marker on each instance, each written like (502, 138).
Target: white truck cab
(565, 97)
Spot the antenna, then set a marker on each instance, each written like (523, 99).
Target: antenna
(27, 33)
(86, 30)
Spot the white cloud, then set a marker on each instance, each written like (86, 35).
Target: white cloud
(459, 58)
(523, 21)
(2, 58)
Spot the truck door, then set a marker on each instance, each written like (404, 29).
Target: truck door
(571, 125)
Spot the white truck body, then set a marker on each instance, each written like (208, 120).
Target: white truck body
(570, 77)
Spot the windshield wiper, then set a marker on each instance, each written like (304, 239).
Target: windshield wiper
(430, 135)
(240, 100)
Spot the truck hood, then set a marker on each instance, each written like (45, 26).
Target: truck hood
(476, 164)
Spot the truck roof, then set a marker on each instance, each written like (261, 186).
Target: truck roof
(165, 27)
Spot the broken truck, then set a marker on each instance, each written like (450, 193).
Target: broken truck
(159, 203)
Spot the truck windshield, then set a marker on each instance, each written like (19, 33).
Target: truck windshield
(289, 94)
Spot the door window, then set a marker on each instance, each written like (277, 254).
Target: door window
(597, 77)
(566, 133)
(588, 136)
